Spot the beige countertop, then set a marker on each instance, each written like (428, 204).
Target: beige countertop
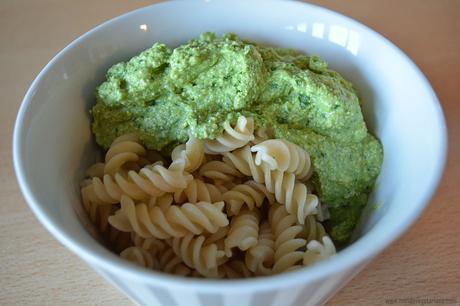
(424, 263)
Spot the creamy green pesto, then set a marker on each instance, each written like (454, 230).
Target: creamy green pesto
(164, 94)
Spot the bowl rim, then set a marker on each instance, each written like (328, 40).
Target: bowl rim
(349, 257)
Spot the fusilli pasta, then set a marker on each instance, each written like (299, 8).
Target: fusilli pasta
(152, 180)
(198, 255)
(219, 171)
(250, 193)
(233, 137)
(243, 232)
(190, 154)
(197, 190)
(124, 149)
(175, 218)
(288, 247)
(317, 251)
(234, 269)
(169, 262)
(293, 194)
(284, 156)
(259, 258)
(174, 221)
(139, 256)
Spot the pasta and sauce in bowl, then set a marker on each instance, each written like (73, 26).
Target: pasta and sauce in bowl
(193, 168)
(223, 111)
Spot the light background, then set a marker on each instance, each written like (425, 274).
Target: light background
(36, 269)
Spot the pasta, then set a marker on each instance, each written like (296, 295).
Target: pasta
(173, 221)
(219, 171)
(197, 190)
(190, 155)
(234, 207)
(261, 134)
(139, 256)
(234, 137)
(235, 269)
(288, 254)
(197, 255)
(169, 262)
(317, 251)
(153, 245)
(250, 194)
(313, 230)
(293, 194)
(259, 258)
(152, 180)
(284, 156)
(123, 150)
(243, 232)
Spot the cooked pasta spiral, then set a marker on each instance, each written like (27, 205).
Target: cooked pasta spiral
(124, 149)
(262, 134)
(243, 232)
(313, 230)
(319, 250)
(235, 269)
(293, 194)
(190, 154)
(197, 190)
(233, 137)
(284, 156)
(198, 255)
(174, 221)
(259, 258)
(288, 247)
(98, 214)
(234, 207)
(169, 262)
(219, 171)
(139, 256)
(153, 245)
(152, 180)
(250, 193)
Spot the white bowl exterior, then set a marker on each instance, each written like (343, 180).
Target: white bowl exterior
(52, 141)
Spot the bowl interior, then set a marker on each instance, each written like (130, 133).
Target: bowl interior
(53, 143)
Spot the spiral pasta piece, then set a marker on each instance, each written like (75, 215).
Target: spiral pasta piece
(243, 161)
(288, 247)
(139, 256)
(234, 269)
(284, 156)
(219, 171)
(169, 262)
(198, 255)
(197, 190)
(250, 194)
(95, 170)
(98, 214)
(261, 134)
(152, 245)
(318, 250)
(233, 137)
(243, 232)
(174, 221)
(117, 240)
(293, 194)
(123, 150)
(190, 154)
(259, 258)
(150, 181)
(313, 230)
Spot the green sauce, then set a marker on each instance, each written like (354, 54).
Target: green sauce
(163, 95)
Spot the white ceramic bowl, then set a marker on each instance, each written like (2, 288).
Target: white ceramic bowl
(52, 139)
